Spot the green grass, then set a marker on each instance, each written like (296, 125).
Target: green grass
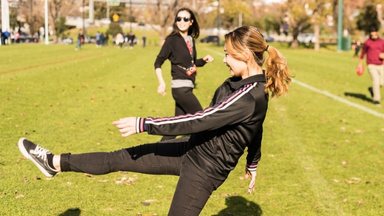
(320, 156)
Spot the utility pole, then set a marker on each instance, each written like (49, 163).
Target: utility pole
(130, 16)
(218, 22)
(83, 17)
(340, 25)
(46, 21)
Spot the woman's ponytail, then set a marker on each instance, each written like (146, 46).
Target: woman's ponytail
(277, 75)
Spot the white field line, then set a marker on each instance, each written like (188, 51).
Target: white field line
(342, 100)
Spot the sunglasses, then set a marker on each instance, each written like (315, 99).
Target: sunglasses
(186, 19)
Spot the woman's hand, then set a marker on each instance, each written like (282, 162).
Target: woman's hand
(208, 58)
(253, 175)
(159, 75)
(126, 126)
(161, 89)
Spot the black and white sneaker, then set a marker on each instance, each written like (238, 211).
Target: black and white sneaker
(38, 155)
(377, 103)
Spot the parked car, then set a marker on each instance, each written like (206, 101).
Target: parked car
(210, 39)
(306, 38)
(268, 38)
(90, 39)
(67, 40)
(25, 38)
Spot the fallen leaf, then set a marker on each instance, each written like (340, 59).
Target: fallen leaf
(19, 196)
(145, 203)
(353, 180)
(345, 200)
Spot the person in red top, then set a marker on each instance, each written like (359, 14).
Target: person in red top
(373, 47)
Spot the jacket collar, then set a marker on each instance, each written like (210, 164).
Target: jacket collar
(237, 82)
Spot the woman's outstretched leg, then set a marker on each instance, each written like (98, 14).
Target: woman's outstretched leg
(156, 158)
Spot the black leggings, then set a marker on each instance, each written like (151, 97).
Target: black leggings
(169, 157)
(186, 102)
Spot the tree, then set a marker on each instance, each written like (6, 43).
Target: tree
(114, 29)
(54, 11)
(318, 10)
(299, 20)
(29, 13)
(61, 28)
(368, 18)
(232, 10)
(271, 23)
(162, 13)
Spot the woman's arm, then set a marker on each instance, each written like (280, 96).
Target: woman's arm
(163, 55)
(162, 85)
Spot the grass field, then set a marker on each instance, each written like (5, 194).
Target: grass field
(321, 156)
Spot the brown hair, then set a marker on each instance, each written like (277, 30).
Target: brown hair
(193, 30)
(276, 69)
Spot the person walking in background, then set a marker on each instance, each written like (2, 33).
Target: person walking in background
(356, 48)
(219, 134)
(144, 39)
(373, 47)
(131, 39)
(119, 40)
(98, 39)
(80, 39)
(179, 48)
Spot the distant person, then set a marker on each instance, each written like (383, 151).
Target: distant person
(102, 38)
(373, 47)
(2, 34)
(131, 40)
(106, 39)
(80, 39)
(17, 37)
(220, 134)
(37, 37)
(144, 39)
(119, 40)
(98, 39)
(179, 48)
(356, 48)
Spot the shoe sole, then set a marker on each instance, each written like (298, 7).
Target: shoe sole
(26, 154)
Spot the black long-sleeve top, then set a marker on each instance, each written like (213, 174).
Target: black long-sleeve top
(175, 49)
(221, 132)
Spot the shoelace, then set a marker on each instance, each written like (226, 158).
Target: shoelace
(40, 152)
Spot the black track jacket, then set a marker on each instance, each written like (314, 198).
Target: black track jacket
(175, 49)
(220, 133)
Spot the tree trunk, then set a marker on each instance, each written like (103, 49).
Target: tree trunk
(316, 29)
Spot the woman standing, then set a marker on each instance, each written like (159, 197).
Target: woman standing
(179, 48)
(80, 39)
(219, 133)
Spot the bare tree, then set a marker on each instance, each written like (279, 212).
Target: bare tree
(29, 13)
(298, 19)
(162, 14)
